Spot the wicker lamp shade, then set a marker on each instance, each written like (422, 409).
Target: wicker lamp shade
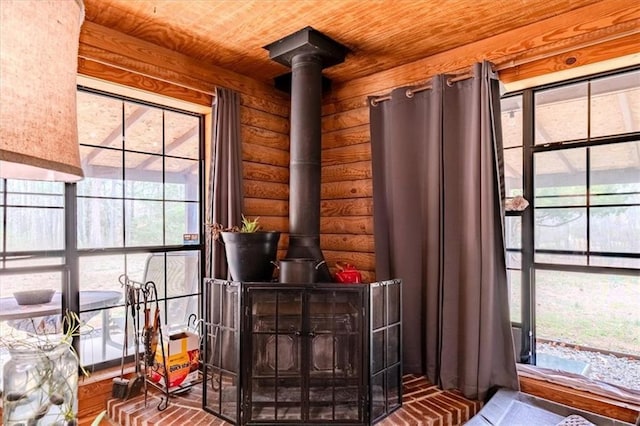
(38, 117)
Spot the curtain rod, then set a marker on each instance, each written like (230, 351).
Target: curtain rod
(428, 86)
(512, 63)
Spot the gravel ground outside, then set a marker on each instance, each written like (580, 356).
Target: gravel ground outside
(604, 367)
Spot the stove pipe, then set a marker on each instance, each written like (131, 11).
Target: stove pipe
(307, 52)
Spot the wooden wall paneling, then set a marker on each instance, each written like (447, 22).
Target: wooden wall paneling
(345, 119)
(119, 50)
(346, 154)
(561, 62)
(265, 155)
(361, 260)
(343, 137)
(265, 172)
(263, 137)
(341, 242)
(351, 171)
(330, 107)
(347, 207)
(595, 24)
(104, 72)
(347, 189)
(265, 104)
(346, 225)
(265, 207)
(266, 190)
(264, 120)
(275, 223)
(367, 276)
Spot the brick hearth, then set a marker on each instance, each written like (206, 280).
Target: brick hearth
(423, 404)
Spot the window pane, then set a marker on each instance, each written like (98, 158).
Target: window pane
(178, 310)
(101, 272)
(615, 174)
(561, 229)
(32, 261)
(514, 260)
(99, 223)
(619, 262)
(182, 135)
(181, 275)
(511, 121)
(560, 178)
(561, 114)
(615, 229)
(143, 176)
(144, 223)
(515, 295)
(513, 171)
(29, 281)
(181, 178)
(181, 218)
(137, 265)
(564, 259)
(592, 310)
(143, 128)
(103, 336)
(31, 229)
(102, 172)
(41, 318)
(35, 187)
(107, 131)
(35, 200)
(615, 104)
(513, 232)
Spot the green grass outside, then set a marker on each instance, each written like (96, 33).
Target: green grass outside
(593, 310)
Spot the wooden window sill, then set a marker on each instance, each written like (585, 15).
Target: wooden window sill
(626, 411)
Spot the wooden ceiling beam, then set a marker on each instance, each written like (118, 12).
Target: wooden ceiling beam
(109, 73)
(613, 24)
(121, 51)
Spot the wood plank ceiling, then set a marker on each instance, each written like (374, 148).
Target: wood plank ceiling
(381, 34)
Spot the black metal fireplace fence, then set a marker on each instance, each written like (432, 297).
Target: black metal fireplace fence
(321, 353)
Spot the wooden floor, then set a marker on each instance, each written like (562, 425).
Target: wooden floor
(423, 404)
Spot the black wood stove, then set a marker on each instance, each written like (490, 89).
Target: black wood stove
(307, 353)
(302, 354)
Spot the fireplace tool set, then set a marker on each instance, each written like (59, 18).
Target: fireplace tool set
(146, 331)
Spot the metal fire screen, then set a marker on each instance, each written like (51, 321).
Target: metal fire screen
(308, 353)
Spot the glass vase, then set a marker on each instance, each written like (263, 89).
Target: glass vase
(40, 386)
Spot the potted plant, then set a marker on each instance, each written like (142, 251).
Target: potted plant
(251, 252)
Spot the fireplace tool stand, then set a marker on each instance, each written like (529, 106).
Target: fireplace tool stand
(141, 296)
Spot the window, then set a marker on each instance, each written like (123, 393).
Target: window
(573, 150)
(136, 212)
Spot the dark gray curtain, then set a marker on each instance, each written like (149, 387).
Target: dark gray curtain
(437, 189)
(224, 183)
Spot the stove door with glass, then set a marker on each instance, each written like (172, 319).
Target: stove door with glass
(305, 348)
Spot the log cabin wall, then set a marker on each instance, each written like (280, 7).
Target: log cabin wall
(590, 35)
(596, 33)
(264, 111)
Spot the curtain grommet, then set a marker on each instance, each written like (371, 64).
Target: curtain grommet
(409, 93)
